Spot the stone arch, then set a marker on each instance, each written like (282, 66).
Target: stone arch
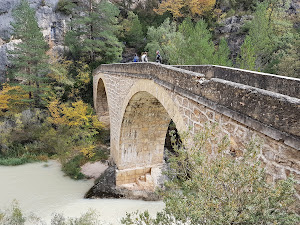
(147, 112)
(101, 103)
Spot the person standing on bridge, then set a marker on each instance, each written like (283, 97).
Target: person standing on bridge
(136, 58)
(144, 57)
(158, 57)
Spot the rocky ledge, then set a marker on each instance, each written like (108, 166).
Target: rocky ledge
(105, 187)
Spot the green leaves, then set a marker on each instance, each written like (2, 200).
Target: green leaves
(29, 57)
(207, 185)
(190, 45)
(93, 33)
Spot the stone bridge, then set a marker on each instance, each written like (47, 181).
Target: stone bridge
(138, 101)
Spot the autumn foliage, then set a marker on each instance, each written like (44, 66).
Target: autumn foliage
(12, 98)
(73, 114)
(183, 8)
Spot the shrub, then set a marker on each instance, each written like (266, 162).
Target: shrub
(14, 216)
(15, 161)
(72, 167)
(218, 188)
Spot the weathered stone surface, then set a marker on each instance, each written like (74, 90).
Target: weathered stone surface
(277, 111)
(294, 7)
(105, 186)
(142, 97)
(52, 24)
(270, 82)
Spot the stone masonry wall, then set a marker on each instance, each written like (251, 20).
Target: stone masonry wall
(279, 159)
(274, 114)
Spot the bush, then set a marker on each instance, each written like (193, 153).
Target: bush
(210, 186)
(15, 161)
(72, 167)
(14, 216)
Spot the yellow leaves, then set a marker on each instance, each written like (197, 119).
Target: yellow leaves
(11, 98)
(173, 6)
(181, 8)
(73, 114)
(88, 151)
(77, 115)
(83, 73)
(55, 110)
(78, 120)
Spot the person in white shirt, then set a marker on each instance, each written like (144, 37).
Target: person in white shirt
(144, 57)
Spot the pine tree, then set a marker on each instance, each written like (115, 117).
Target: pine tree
(259, 43)
(92, 35)
(247, 57)
(191, 45)
(132, 31)
(29, 57)
(198, 48)
(222, 54)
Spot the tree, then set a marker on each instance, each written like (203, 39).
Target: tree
(199, 47)
(289, 65)
(246, 59)
(190, 45)
(285, 38)
(132, 31)
(207, 185)
(186, 8)
(11, 99)
(270, 37)
(159, 39)
(193, 46)
(78, 126)
(243, 4)
(29, 57)
(221, 56)
(92, 35)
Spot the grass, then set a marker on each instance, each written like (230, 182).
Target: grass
(15, 161)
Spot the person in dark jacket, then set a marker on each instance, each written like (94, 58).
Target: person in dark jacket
(158, 57)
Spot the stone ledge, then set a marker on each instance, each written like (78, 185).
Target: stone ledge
(275, 83)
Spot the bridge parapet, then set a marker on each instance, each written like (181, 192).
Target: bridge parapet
(263, 102)
(270, 82)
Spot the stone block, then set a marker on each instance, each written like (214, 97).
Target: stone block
(210, 114)
(274, 170)
(198, 116)
(283, 161)
(185, 103)
(268, 153)
(290, 153)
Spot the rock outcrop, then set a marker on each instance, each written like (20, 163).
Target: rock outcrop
(52, 23)
(105, 187)
(233, 29)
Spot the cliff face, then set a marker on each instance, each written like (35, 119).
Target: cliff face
(52, 24)
(232, 29)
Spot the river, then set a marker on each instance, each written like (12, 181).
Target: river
(42, 189)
